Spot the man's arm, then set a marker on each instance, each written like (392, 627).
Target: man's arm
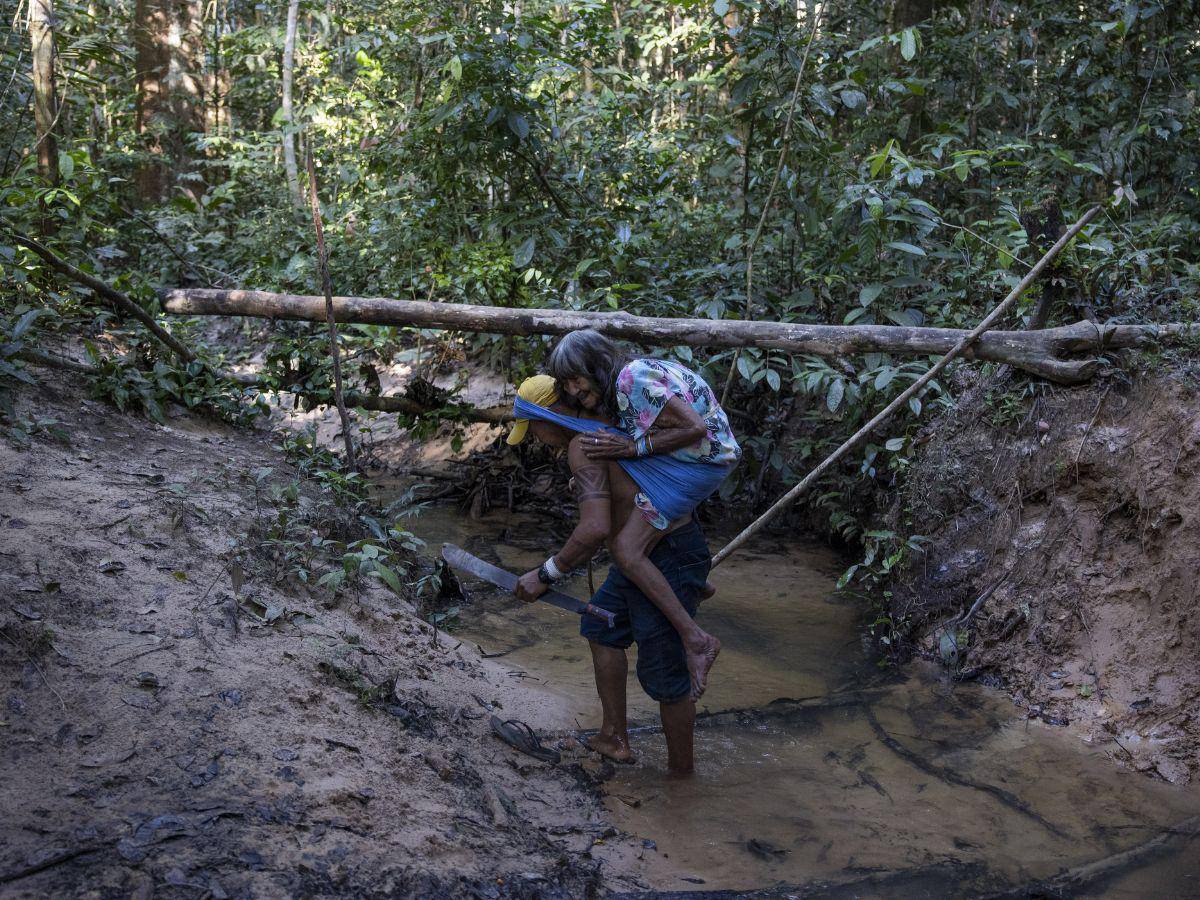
(677, 426)
(594, 496)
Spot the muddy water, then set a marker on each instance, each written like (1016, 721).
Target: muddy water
(854, 775)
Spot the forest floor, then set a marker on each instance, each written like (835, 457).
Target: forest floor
(1070, 522)
(163, 726)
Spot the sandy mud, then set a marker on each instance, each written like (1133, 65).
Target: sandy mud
(166, 730)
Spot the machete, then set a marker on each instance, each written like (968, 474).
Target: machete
(461, 559)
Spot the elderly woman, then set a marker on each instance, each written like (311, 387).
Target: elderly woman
(663, 409)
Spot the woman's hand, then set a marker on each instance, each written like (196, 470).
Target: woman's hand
(606, 445)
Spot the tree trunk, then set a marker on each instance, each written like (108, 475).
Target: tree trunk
(289, 137)
(151, 33)
(908, 13)
(45, 101)
(1043, 226)
(1037, 352)
(167, 40)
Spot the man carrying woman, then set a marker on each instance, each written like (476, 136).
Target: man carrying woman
(638, 485)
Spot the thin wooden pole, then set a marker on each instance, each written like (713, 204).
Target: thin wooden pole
(339, 397)
(859, 436)
(766, 207)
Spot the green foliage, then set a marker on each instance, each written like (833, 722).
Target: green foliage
(885, 554)
(150, 387)
(617, 156)
(334, 543)
(326, 468)
(17, 333)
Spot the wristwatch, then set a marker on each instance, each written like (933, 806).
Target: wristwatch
(544, 576)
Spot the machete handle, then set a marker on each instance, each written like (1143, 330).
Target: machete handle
(603, 614)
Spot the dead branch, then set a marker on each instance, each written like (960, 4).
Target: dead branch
(951, 777)
(1037, 352)
(105, 292)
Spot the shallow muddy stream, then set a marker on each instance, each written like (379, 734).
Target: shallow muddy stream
(831, 770)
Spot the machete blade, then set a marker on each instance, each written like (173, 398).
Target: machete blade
(466, 562)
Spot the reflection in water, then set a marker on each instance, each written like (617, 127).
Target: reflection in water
(941, 780)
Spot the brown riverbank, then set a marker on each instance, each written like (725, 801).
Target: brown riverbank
(166, 726)
(1065, 543)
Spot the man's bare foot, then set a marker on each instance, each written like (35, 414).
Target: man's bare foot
(706, 593)
(700, 658)
(612, 746)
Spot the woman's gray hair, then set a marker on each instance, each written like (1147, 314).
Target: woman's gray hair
(588, 354)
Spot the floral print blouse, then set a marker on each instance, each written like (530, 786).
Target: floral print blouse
(643, 388)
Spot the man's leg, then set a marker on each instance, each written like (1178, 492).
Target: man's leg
(684, 560)
(679, 726)
(631, 549)
(612, 670)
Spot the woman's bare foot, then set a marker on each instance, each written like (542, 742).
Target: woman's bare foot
(706, 592)
(700, 658)
(614, 747)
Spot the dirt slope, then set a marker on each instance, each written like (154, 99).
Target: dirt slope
(153, 735)
(1081, 509)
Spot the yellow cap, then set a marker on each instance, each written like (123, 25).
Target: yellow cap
(540, 390)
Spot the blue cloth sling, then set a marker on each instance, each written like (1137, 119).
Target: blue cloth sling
(673, 486)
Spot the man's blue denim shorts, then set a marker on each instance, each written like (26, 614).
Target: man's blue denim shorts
(684, 559)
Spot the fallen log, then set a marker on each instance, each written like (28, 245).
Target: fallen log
(1038, 352)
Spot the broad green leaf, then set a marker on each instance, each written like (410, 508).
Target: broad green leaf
(881, 159)
(523, 255)
(821, 96)
(894, 444)
(908, 43)
(868, 293)
(909, 318)
(853, 99)
(773, 379)
(27, 319)
(455, 67)
(833, 399)
(390, 578)
(884, 378)
(906, 247)
(914, 403)
(743, 89)
(720, 7)
(518, 125)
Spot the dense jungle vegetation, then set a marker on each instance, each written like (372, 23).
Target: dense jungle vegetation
(874, 159)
